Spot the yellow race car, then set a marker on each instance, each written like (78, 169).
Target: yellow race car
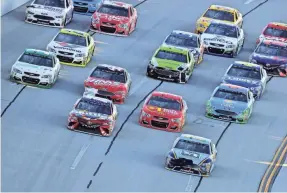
(218, 12)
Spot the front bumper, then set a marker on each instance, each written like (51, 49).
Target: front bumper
(84, 10)
(112, 29)
(73, 61)
(227, 118)
(169, 75)
(276, 71)
(44, 20)
(31, 81)
(220, 51)
(116, 98)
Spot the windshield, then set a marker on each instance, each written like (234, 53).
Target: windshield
(37, 60)
(164, 103)
(71, 39)
(230, 95)
(245, 72)
(113, 10)
(166, 55)
(52, 3)
(220, 15)
(94, 106)
(224, 30)
(193, 146)
(275, 32)
(107, 74)
(272, 50)
(182, 41)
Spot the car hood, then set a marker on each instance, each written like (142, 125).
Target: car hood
(228, 105)
(62, 46)
(111, 18)
(89, 116)
(184, 47)
(161, 112)
(170, 64)
(32, 68)
(106, 85)
(272, 60)
(240, 81)
(45, 10)
(218, 39)
(196, 157)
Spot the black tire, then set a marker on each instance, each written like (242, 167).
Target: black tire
(183, 78)
(236, 53)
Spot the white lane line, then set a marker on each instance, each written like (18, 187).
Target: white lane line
(248, 2)
(134, 89)
(79, 156)
(188, 187)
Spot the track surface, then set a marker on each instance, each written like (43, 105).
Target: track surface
(39, 154)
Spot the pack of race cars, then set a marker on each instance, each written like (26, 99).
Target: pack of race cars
(218, 32)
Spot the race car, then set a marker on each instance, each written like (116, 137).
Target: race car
(187, 40)
(87, 7)
(172, 64)
(163, 111)
(36, 68)
(223, 39)
(109, 82)
(230, 103)
(115, 18)
(193, 155)
(248, 75)
(272, 55)
(218, 13)
(54, 13)
(274, 31)
(73, 47)
(93, 115)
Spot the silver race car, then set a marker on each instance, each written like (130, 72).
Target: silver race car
(192, 154)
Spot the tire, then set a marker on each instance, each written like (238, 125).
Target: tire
(184, 78)
(236, 52)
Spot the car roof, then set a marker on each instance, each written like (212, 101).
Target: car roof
(233, 87)
(74, 32)
(223, 8)
(112, 67)
(89, 97)
(183, 33)
(174, 49)
(246, 64)
(117, 4)
(275, 42)
(166, 95)
(195, 138)
(38, 52)
(278, 25)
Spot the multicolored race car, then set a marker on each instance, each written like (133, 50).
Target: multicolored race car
(248, 75)
(36, 68)
(274, 31)
(230, 103)
(73, 47)
(272, 55)
(87, 7)
(93, 115)
(193, 155)
(223, 39)
(115, 18)
(54, 13)
(186, 40)
(172, 64)
(109, 82)
(218, 13)
(163, 111)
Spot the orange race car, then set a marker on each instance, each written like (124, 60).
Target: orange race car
(164, 111)
(274, 31)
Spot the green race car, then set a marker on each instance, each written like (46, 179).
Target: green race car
(171, 63)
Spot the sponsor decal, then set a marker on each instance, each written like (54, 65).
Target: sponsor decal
(53, 9)
(170, 111)
(189, 153)
(67, 48)
(102, 82)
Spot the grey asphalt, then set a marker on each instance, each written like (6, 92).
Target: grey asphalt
(38, 151)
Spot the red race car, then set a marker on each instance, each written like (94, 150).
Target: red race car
(274, 31)
(109, 82)
(114, 17)
(163, 111)
(93, 115)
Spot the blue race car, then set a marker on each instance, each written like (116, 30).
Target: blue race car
(87, 7)
(272, 55)
(248, 75)
(230, 103)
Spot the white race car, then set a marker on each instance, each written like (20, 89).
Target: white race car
(73, 47)
(56, 13)
(223, 39)
(36, 68)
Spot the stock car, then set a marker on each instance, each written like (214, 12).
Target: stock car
(230, 103)
(218, 13)
(36, 68)
(171, 63)
(115, 18)
(93, 115)
(55, 13)
(163, 111)
(272, 55)
(248, 75)
(192, 154)
(274, 31)
(73, 47)
(223, 39)
(109, 82)
(186, 40)
(87, 7)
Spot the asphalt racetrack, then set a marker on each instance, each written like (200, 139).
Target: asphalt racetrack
(40, 154)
